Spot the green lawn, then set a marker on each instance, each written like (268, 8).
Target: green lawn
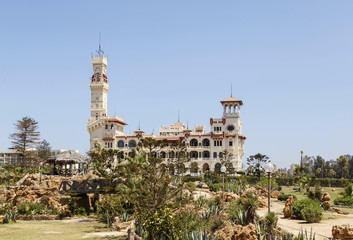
(45, 230)
(334, 192)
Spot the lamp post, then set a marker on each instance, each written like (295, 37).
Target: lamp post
(223, 170)
(269, 169)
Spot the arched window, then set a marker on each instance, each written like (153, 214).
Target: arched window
(132, 143)
(206, 167)
(193, 143)
(205, 142)
(163, 154)
(217, 167)
(194, 154)
(121, 155)
(106, 126)
(206, 154)
(111, 126)
(194, 167)
(121, 144)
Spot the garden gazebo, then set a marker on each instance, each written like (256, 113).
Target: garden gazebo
(67, 163)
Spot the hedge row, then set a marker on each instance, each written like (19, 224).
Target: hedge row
(281, 181)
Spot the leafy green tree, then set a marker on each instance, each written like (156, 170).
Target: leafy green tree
(257, 161)
(44, 150)
(106, 164)
(25, 138)
(181, 157)
(152, 183)
(226, 160)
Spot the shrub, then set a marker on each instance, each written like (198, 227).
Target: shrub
(162, 224)
(218, 200)
(316, 194)
(32, 208)
(284, 197)
(249, 205)
(312, 214)
(217, 222)
(201, 202)
(307, 203)
(348, 191)
(191, 186)
(344, 201)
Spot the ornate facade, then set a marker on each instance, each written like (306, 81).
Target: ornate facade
(204, 148)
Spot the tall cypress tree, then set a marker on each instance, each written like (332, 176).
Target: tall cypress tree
(25, 138)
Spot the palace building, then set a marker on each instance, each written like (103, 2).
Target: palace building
(204, 147)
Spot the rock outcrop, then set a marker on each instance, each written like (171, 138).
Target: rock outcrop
(34, 188)
(275, 194)
(340, 211)
(326, 200)
(287, 207)
(342, 232)
(238, 232)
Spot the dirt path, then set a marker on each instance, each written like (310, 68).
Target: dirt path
(322, 229)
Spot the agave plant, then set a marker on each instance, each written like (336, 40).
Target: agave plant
(215, 209)
(7, 218)
(200, 236)
(124, 217)
(13, 216)
(305, 235)
(207, 214)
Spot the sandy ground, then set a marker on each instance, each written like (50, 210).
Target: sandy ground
(322, 229)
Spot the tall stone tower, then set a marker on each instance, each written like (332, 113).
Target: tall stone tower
(99, 86)
(233, 125)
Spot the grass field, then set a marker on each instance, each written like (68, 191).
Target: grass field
(45, 230)
(334, 192)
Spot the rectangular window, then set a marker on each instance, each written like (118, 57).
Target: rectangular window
(215, 155)
(220, 143)
(230, 143)
(215, 143)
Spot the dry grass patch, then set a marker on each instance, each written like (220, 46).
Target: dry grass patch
(61, 230)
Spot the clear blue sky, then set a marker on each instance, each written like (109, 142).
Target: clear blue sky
(289, 61)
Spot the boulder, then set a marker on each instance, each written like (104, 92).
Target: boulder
(326, 197)
(117, 225)
(2, 218)
(287, 207)
(327, 204)
(204, 186)
(275, 194)
(238, 232)
(228, 197)
(263, 202)
(342, 232)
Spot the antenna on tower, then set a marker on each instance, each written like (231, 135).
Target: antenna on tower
(100, 51)
(231, 90)
(139, 125)
(187, 124)
(178, 115)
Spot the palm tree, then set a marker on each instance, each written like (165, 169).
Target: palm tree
(342, 162)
